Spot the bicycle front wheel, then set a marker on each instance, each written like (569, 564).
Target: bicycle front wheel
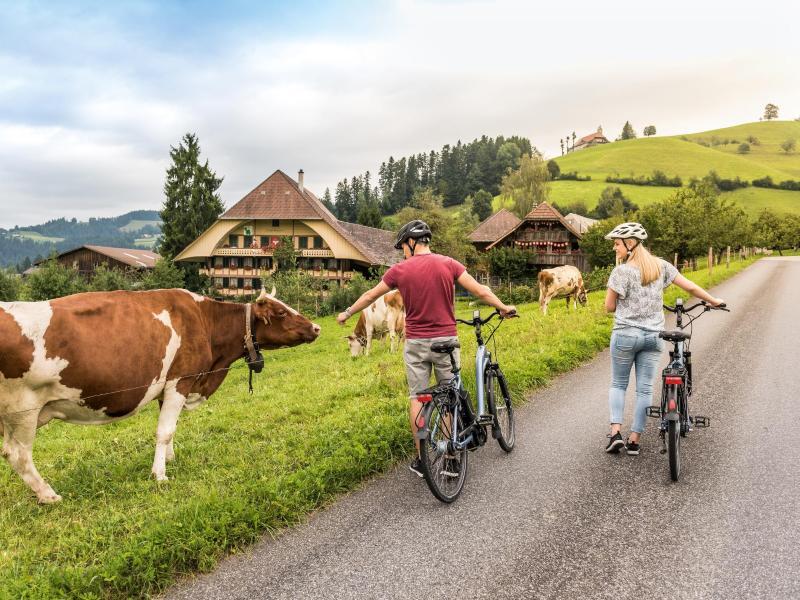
(499, 400)
(444, 467)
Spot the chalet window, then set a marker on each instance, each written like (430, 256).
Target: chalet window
(257, 284)
(225, 282)
(219, 262)
(225, 263)
(248, 284)
(234, 263)
(317, 242)
(317, 264)
(264, 240)
(345, 265)
(303, 241)
(233, 240)
(219, 282)
(248, 241)
(247, 262)
(332, 264)
(240, 283)
(276, 223)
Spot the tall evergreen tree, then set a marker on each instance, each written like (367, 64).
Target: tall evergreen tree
(328, 202)
(628, 133)
(192, 204)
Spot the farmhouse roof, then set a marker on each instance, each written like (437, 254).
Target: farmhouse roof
(134, 257)
(495, 227)
(579, 222)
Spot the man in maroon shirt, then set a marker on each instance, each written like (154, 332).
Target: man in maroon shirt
(426, 282)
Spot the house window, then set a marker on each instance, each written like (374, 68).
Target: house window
(256, 284)
(240, 283)
(317, 264)
(332, 264)
(303, 241)
(225, 282)
(248, 241)
(234, 263)
(225, 263)
(233, 240)
(276, 223)
(247, 262)
(317, 242)
(248, 284)
(219, 262)
(264, 240)
(218, 282)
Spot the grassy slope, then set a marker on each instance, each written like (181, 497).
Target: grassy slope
(37, 237)
(137, 225)
(245, 464)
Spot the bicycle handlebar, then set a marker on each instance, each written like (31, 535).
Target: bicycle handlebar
(496, 313)
(703, 303)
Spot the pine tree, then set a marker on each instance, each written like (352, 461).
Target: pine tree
(628, 132)
(326, 200)
(482, 205)
(191, 206)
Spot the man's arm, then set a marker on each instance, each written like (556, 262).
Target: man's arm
(484, 293)
(363, 302)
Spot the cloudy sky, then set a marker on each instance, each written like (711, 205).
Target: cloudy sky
(93, 94)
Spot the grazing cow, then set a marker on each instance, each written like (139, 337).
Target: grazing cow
(99, 357)
(387, 313)
(558, 282)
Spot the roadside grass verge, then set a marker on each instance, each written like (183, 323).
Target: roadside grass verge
(317, 425)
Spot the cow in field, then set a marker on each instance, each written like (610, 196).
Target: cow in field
(99, 357)
(387, 313)
(565, 281)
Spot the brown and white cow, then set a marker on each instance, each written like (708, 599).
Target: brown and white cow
(386, 314)
(565, 281)
(98, 357)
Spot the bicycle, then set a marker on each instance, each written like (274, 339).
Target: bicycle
(449, 427)
(676, 388)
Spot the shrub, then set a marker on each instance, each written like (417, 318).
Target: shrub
(753, 140)
(518, 294)
(10, 284)
(743, 148)
(597, 278)
(573, 176)
(54, 280)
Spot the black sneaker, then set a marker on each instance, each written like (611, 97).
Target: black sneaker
(631, 448)
(615, 443)
(416, 467)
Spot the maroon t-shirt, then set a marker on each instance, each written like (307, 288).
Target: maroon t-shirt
(426, 282)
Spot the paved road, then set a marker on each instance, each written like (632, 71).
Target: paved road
(560, 518)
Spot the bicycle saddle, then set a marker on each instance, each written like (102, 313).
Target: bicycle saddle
(445, 347)
(674, 336)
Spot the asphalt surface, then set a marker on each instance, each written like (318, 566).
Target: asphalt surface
(560, 518)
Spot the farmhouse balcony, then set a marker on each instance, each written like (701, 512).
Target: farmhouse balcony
(305, 252)
(543, 236)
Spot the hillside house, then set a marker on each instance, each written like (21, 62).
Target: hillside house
(593, 139)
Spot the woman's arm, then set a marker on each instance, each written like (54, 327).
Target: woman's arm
(696, 291)
(611, 300)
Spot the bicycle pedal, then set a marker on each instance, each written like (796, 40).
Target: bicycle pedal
(699, 421)
(653, 411)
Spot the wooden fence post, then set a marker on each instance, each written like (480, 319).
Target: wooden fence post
(710, 259)
(728, 259)
(675, 261)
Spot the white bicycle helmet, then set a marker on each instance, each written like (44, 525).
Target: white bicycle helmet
(627, 230)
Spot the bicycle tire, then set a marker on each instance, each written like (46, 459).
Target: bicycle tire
(435, 457)
(503, 411)
(674, 444)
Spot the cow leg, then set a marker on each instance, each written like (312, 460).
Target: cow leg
(19, 432)
(165, 432)
(369, 337)
(544, 302)
(392, 324)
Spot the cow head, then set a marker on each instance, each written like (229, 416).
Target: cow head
(357, 345)
(582, 296)
(278, 325)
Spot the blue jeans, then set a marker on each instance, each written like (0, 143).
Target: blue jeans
(629, 346)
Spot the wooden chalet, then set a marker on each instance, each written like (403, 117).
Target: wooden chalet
(85, 259)
(544, 233)
(237, 250)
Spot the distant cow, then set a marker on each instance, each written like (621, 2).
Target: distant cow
(99, 357)
(386, 314)
(561, 281)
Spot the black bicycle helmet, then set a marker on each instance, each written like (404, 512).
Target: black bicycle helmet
(413, 230)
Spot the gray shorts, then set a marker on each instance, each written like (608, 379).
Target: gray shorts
(420, 360)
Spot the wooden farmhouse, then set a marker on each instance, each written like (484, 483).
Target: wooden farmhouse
(593, 139)
(237, 250)
(549, 239)
(86, 259)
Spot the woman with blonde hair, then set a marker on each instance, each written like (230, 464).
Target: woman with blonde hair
(636, 296)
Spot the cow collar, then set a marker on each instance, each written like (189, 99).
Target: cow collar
(252, 354)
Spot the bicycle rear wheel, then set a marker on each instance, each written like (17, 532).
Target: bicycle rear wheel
(499, 400)
(444, 468)
(674, 440)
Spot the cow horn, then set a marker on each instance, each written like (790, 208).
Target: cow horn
(262, 296)
(272, 293)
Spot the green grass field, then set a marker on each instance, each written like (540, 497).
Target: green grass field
(137, 225)
(37, 237)
(246, 465)
(145, 242)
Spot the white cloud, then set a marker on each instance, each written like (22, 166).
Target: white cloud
(89, 134)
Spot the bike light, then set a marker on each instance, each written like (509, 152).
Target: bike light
(673, 380)
(672, 406)
(424, 398)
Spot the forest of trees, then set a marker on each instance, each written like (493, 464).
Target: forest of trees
(20, 252)
(453, 173)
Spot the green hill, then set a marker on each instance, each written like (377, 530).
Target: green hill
(687, 156)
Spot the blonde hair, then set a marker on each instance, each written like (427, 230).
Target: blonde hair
(649, 266)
